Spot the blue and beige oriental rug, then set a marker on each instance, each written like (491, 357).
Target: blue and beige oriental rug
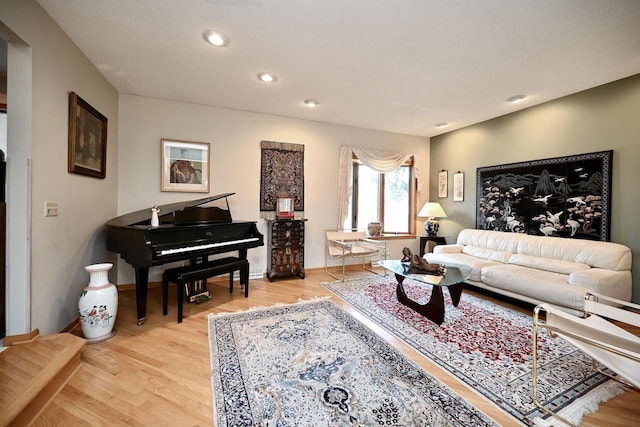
(489, 348)
(313, 364)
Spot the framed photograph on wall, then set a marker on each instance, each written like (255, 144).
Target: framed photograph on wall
(87, 139)
(458, 186)
(185, 166)
(442, 184)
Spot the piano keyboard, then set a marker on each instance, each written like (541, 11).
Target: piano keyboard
(203, 247)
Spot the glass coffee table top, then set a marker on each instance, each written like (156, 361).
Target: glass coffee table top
(452, 276)
(453, 279)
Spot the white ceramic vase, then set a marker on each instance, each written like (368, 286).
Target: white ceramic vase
(98, 304)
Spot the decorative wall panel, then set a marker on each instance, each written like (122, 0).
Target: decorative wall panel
(563, 196)
(281, 174)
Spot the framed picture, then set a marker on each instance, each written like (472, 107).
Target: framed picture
(87, 139)
(185, 166)
(458, 186)
(285, 207)
(442, 184)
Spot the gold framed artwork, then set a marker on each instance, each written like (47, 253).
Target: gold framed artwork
(442, 184)
(458, 187)
(87, 139)
(185, 166)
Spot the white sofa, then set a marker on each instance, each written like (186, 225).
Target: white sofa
(539, 269)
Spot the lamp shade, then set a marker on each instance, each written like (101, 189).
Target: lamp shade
(432, 210)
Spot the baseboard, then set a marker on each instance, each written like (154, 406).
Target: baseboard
(256, 274)
(75, 323)
(132, 286)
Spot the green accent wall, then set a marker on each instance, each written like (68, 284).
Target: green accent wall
(606, 117)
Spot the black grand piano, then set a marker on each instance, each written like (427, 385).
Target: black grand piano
(186, 232)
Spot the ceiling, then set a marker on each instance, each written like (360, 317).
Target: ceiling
(400, 66)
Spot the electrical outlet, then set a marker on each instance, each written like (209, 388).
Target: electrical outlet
(50, 208)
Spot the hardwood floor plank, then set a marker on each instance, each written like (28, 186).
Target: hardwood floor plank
(58, 416)
(158, 373)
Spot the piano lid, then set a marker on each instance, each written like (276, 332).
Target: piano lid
(144, 215)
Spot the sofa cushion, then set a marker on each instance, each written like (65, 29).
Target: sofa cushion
(490, 254)
(533, 283)
(496, 240)
(548, 264)
(610, 256)
(476, 264)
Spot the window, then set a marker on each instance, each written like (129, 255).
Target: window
(383, 197)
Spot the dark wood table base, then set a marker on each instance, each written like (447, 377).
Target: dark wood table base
(434, 308)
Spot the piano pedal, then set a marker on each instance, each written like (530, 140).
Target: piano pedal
(200, 297)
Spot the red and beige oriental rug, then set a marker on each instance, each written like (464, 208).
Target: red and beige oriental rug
(488, 347)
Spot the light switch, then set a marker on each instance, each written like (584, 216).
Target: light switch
(50, 208)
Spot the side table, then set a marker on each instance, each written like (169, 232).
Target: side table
(425, 239)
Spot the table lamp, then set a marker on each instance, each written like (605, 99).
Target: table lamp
(431, 211)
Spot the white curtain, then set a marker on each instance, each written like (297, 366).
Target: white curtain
(380, 161)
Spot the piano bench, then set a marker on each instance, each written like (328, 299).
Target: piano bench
(191, 273)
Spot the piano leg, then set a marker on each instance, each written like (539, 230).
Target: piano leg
(142, 282)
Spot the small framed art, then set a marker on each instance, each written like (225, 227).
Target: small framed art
(185, 166)
(87, 139)
(442, 184)
(458, 186)
(285, 207)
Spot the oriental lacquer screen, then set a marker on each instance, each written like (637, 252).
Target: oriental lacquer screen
(563, 196)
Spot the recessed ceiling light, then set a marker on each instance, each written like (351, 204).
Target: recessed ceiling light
(215, 38)
(442, 125)
(311, 103)
(267, 77)
(516, 98)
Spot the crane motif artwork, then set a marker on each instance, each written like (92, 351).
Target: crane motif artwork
(560, 197)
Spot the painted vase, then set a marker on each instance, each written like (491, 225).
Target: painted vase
(98, 304)
(374, 228)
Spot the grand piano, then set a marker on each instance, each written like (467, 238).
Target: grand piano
(186, 232)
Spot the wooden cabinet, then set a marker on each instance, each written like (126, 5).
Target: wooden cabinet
(285, 248)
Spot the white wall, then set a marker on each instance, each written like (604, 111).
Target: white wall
(235, 164)
(60, 246)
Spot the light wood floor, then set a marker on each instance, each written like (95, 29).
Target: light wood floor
(158, 373)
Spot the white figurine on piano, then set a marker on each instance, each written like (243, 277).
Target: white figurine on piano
(154, 216)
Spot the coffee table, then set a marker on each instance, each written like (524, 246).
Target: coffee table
(433, 310)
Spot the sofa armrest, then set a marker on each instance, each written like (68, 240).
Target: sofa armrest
(448, 249)
(616, 284)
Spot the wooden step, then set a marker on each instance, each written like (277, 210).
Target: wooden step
(32, 373)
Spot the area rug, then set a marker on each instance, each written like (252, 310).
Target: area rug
(489, 348)
(313, 364)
